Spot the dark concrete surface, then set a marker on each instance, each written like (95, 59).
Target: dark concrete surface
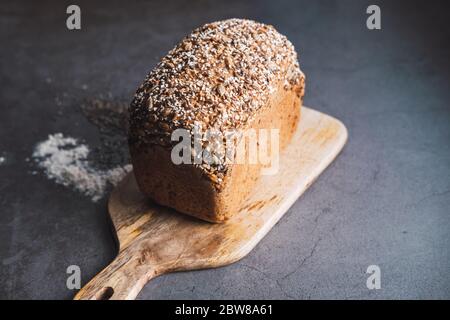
(384, 201)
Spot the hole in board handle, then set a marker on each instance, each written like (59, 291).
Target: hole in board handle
(105, 293)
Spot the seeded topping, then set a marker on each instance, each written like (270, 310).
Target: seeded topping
(218, 77)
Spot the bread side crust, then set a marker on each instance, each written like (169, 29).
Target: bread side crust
(184, 187)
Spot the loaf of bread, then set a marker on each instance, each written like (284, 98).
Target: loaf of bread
(230, 75)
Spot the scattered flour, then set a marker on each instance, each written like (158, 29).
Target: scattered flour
(2, 160)
(64, 160)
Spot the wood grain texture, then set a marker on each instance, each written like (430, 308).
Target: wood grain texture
(154, 240)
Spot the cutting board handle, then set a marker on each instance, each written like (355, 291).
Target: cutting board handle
(123, 279)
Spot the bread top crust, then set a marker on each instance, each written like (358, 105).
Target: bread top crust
(217, 78)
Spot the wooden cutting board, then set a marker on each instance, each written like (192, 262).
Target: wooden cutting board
(154, 240)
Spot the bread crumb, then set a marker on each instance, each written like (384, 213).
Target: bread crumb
(64, 160)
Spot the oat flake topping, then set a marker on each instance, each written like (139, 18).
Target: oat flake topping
(218, 76)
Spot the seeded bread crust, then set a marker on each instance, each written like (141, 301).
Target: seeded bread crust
(227, 75)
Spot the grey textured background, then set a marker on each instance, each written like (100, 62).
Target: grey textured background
(384, 201)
